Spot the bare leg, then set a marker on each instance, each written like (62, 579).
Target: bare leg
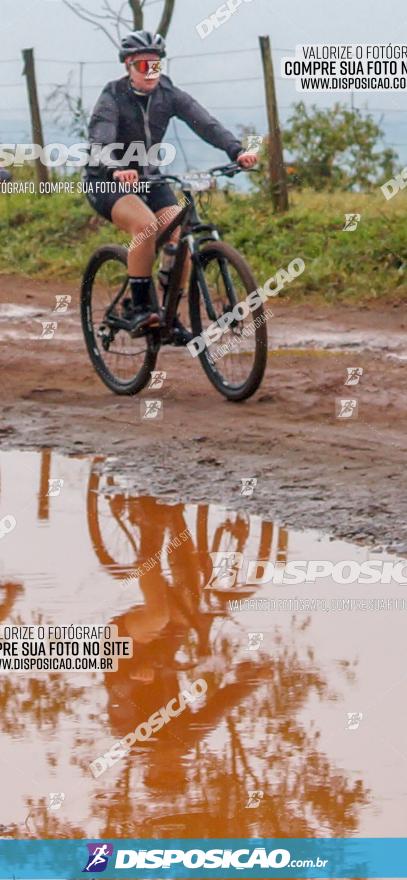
(132, 215)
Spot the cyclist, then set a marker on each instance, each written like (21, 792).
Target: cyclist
(138, 108)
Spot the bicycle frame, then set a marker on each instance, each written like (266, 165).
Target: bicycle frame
(191, 227)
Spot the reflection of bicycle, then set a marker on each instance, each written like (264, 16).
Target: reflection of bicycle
(220, 280)
(117, 521)
(127, 531)
(115, 537)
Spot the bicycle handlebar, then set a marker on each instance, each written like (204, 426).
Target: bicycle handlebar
(228, 170)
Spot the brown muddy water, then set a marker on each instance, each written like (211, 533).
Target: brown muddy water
(288, 332)
(269, 750)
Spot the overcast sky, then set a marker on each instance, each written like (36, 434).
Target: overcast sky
(228, 82)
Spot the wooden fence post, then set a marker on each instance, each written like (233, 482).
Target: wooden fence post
(36, 124)
(278, 179)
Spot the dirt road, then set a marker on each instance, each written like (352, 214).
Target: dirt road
(342, 476)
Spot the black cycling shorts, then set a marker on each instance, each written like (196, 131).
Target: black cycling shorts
(160, 196)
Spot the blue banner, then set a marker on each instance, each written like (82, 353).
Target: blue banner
(228, 858)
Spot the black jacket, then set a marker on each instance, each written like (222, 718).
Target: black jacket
(119, 117)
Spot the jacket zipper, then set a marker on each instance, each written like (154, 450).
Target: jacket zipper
(147, 129)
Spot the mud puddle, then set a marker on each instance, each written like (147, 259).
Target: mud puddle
(306, 335)
(25, 323)
(300, 731)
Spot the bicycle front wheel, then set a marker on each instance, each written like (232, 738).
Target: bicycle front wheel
(124, 364)
(236, 362)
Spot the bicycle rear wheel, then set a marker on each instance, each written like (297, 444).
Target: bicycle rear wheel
(124, 364)
(235, 364)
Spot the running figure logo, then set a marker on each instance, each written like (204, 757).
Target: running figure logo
(151, 409)
(56, 799)
(354, 374)
(254, 799)
(248, 486)
(225, 570)
(254, 142)
(48, 329)
(54, 488)
(255, 640)
(346, 408)
(62, 302)
(354, 719)
(98, 857)
(351, 222)
(157, 378)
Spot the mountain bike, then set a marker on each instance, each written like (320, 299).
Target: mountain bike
(220, 279)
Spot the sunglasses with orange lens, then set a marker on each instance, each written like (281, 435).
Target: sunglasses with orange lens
(144, 66)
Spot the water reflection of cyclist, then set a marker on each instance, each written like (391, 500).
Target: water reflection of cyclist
(173, 645)
(135, 111)
(163, 650)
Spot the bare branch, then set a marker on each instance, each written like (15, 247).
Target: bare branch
(79, 9)
(84, 16)
(117, 26)
(112, 13)
(61, 99)
(121, 17)
(112, 17)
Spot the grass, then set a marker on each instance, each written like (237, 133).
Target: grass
(53, 237)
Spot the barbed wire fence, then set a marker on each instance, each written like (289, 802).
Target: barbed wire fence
(243, 113)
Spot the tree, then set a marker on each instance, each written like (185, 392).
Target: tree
(113, 19)
(62, 99)
(337, 148)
